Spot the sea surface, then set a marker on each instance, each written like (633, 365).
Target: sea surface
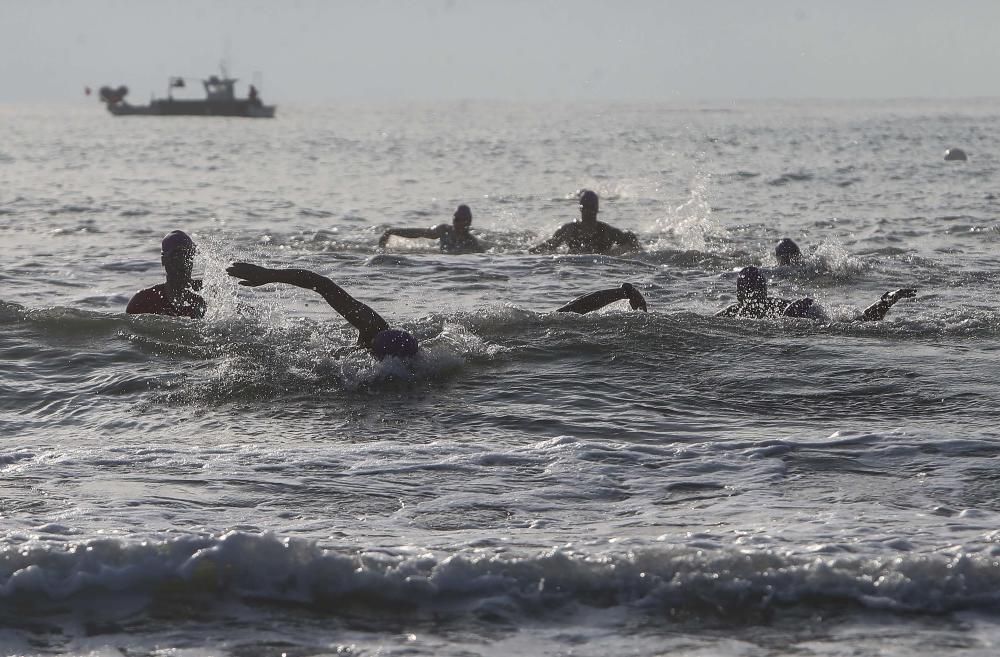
(618, 483)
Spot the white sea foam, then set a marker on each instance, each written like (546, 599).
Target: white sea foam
(652, 580)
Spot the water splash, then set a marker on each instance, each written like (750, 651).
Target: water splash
(832, 257)
(690, 225)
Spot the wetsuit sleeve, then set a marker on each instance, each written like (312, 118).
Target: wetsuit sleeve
(877, 310)
(730, 311)
(800, 308)
(596, 300)
(196, 306)
(368, 322)
(627, 239)
(432, 233)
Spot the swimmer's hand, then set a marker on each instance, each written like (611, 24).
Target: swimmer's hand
(901, 293)
(635, 299)
(877, 310)
(252, 275)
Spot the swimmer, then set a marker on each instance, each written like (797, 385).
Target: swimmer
(374, 333)
(787, 253)
(589, 235)
(955, 155)
(752, 301)
(177, 297)
(455, 238)
(601, 298)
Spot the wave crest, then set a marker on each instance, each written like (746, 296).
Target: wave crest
(654, 580)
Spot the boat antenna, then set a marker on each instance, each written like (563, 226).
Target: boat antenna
(226, 57)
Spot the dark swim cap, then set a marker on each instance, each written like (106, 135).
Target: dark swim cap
(463, 213)
(176, 240)
(392, 342)
(787, 251)
(750, 283)
(589, 200)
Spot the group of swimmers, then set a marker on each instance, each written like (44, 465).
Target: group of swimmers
(179, 297)
(585, 236)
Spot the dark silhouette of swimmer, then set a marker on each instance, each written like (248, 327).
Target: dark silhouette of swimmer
(455, 238)
(374, 333)
(177, 297)
(596, 300)
(589, 235)
(955, 155)
(752, 301)
(787, 253)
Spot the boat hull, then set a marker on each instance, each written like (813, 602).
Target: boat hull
(170, 107)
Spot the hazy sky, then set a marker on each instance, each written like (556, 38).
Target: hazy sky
(313, 50)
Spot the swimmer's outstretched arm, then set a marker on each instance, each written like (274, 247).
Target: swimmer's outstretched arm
(601, 298)
(429, 233)
(367, 321)
(877, 310)
(547, 246)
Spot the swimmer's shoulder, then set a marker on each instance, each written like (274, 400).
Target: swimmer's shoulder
(148, 300)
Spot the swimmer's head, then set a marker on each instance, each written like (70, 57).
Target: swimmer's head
(463, 217)
(393, 342)
(787, 252)
(750, 285)
(176, 240)
(589, 201)
(955, 154)
(177, 254)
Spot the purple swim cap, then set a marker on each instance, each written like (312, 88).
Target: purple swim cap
(176, 240)
(392, 342)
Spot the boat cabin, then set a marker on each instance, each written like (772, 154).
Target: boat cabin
(217, 88)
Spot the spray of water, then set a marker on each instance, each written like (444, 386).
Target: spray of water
(689, 226)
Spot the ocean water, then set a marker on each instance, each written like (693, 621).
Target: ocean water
(539, 484)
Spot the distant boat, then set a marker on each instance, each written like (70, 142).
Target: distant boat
(220, 100)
